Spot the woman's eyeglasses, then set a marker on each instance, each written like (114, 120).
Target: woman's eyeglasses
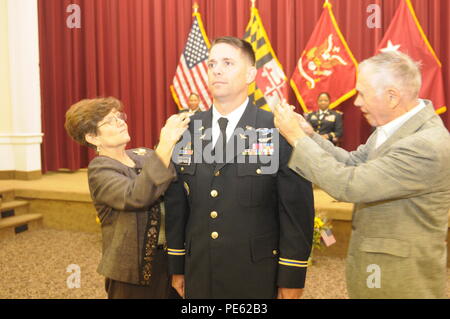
(114, 119)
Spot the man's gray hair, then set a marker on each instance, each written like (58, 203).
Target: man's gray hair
(394, 69)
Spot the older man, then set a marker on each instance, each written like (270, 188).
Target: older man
(399, 181)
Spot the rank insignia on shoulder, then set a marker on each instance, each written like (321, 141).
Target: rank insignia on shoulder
(140, 151)
(250, 128)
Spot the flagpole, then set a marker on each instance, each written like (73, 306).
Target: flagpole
(253, 3)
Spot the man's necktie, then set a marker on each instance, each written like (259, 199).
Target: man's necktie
(222, 141)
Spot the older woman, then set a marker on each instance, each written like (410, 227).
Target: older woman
(126, 187)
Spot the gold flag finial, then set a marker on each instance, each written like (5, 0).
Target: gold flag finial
(195, 7)
(253, 3)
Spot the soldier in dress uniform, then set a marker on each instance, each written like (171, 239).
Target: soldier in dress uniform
(327, 123)
(237, 226)
(193, 103)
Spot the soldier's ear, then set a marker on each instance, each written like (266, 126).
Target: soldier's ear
(251, 74)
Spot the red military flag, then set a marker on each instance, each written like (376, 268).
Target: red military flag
(191, 75)
(326, 65)
(406, 35)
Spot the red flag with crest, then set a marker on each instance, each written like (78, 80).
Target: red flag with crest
(326, 65)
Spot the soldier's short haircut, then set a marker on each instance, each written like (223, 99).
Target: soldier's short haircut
(243, 45)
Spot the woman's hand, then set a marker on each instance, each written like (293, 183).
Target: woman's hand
(170, 134)
(174, 128)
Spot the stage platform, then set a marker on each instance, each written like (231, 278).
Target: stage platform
(62, 198)
(64, 201)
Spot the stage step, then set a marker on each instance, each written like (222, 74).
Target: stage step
(14, 208)
(11, 226)
(6, 195)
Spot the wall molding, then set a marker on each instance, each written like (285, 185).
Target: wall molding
(21, 175)
(20, 138)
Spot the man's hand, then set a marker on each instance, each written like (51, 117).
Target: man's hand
(178, 284)
(290, 293)
(288, 122)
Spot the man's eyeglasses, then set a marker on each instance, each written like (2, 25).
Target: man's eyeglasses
(114, 119)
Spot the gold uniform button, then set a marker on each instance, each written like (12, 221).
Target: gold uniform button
(217, 173)
(214, 193)
(182, 169)
(258, 171)
(213, 214)
(214, 235)
(275, 252)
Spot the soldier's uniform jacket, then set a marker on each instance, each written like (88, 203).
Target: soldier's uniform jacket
(127, 203)
(330, 122)
(232, 230)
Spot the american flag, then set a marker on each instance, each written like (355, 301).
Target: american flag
(328, 237)
(191, 75)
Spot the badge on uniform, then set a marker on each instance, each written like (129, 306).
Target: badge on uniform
(330, 118)
(266, 149)
(264, 131)
(184, 160)
(185, 155)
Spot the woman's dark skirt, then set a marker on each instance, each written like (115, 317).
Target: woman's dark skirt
(160, 286)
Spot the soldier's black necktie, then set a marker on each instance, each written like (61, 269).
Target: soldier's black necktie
(222, 141)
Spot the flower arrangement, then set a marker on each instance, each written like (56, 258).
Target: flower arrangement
(321, 225)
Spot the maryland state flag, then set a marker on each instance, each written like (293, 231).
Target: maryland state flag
(406, 35)
(270, 87)
(326, 65)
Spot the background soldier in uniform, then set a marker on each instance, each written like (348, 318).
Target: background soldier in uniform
(325, 122)
(232, 230)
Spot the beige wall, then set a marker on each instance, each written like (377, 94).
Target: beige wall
(20, 99)
(5, 97)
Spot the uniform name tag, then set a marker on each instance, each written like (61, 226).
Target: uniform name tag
(184, 160)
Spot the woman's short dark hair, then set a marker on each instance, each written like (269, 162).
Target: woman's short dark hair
(83, 117)
(245, 47)
(326, 93)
